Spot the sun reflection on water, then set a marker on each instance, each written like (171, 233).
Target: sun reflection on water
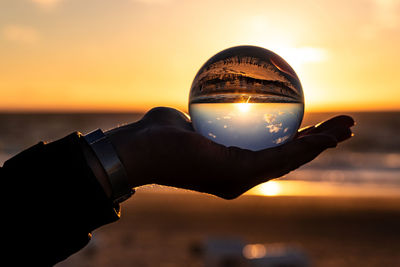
(309, 188)
(271, 188)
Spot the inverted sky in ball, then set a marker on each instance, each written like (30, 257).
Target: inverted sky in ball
(246, 96)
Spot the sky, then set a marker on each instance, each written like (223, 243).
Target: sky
(131, 55)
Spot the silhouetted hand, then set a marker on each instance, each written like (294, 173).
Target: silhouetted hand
(162, 148)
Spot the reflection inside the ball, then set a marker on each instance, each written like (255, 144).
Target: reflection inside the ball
(252, 126)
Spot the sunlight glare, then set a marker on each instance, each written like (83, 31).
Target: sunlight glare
(243, 107)
(271, 188)
(298, 56)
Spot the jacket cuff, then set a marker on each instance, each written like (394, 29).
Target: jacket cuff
(58, 173)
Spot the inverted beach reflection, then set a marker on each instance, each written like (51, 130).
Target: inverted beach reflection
(253, 126)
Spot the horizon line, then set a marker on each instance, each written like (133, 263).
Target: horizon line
(141, 111)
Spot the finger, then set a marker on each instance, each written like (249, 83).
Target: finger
(268, 163)
(338, 121)
(275, 162)
(164, 116)
(339, 127)
(340, 134)
(293, 154)
(248, 169)
(231, 170)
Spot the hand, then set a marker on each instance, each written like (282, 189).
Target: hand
(163, 148)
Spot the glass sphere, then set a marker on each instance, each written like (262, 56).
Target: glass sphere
(248, 97)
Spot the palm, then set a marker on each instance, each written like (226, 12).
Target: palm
(176, 155)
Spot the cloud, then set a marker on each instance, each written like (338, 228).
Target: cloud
(20, 34)
(384, 16)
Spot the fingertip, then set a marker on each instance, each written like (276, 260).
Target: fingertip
(342, 134)
(346, 119)
(169, 117)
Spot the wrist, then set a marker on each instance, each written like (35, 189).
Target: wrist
(131, 149)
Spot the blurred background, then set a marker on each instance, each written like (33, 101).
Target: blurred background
(73, 65)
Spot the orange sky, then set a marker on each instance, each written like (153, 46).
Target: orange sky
(135, 54)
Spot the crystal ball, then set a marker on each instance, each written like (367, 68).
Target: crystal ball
(248, 97)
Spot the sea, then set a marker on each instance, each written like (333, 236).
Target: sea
(366, 165)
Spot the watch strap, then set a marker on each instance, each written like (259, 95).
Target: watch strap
(116, 173)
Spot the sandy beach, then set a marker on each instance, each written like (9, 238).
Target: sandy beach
(352, 219)
(159, 229)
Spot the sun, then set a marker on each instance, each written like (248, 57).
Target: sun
(243, 107)
(271, 188)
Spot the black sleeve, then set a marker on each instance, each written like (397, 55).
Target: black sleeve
(51, 202)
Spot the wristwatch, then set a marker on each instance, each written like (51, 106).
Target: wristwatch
(116, 173)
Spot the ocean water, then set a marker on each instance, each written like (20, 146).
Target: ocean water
(370, 159)
(253, 126)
